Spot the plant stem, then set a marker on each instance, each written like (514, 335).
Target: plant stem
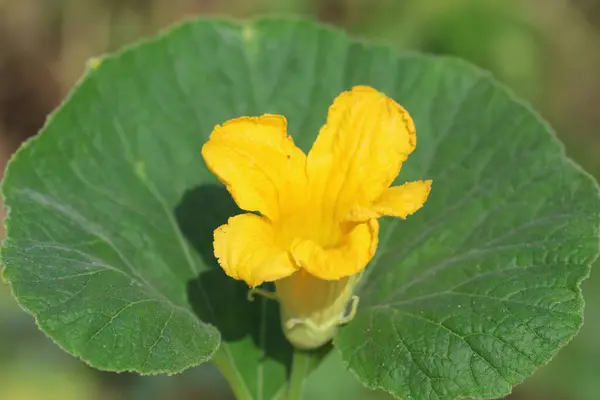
(222, 361)
(300, 369)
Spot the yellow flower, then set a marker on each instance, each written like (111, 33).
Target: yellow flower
(316, 225)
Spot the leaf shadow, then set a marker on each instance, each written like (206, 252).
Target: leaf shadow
(216, 298)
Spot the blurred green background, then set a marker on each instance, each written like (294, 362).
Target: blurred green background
(548, 51)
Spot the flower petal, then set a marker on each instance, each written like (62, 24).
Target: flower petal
(397, 201)
(359, 151)
(258, 163)
(245, 248)
(351, 257)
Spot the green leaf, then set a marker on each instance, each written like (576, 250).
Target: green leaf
(111, 212)
(473, 293)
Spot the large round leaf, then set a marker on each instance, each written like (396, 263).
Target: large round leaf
(111, 212)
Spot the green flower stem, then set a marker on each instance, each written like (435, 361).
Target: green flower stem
(300, 369)
(229, 370)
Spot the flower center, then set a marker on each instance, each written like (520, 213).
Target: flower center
(310, 224)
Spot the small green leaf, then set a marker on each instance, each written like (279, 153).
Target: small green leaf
(111, 213)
